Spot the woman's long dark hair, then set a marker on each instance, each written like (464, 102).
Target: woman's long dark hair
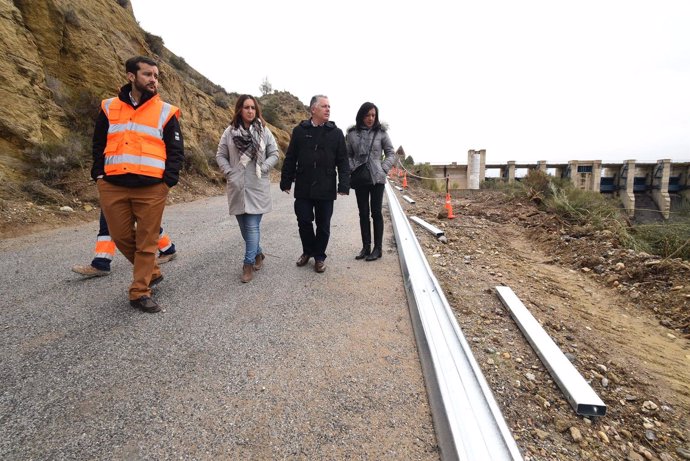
(362, 112)
(237, 118)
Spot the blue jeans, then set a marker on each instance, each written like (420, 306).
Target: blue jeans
(250, 229)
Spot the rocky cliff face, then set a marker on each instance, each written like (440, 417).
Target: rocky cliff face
(59, 58)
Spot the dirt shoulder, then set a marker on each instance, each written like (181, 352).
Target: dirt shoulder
(619, 316)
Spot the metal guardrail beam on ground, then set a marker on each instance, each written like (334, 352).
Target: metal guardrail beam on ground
(580, 395)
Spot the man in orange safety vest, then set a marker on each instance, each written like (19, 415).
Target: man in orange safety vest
(138, 152)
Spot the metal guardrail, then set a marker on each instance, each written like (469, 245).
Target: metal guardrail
(468, 423)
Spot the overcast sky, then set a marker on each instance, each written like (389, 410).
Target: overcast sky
(526, 80)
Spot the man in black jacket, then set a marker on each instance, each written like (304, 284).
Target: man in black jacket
(316, 150)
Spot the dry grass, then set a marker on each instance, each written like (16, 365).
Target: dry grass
(594, 210)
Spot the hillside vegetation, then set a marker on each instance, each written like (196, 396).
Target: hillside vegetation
(60, 59)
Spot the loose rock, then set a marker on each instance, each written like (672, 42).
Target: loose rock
(575, 434)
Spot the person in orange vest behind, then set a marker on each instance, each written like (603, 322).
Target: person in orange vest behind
(138, 152)
(105, 252)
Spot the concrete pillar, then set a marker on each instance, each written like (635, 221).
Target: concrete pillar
(685, 181)
(541, 165)
(625, 191)
(596, 176)
(470, 153)
(572, 172)
(660, 187)
(511, 171)
(482, 165)
(473, 167)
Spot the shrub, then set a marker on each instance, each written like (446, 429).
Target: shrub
(81, 106)
(155, 43)
(41, 193)
(511, 190)
(584, 207)
(206, 86)
(83, 109)
(270, 114)
(57, 89)
(178, 62)
(202, 160)
(195, 162)
(425, 174)
(72, 18)
(53, 160)
(666, 239)
(537, 185)
(222, 100)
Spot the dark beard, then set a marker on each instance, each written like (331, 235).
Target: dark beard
(143, 90)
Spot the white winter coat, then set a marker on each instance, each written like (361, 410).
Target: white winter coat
(247, 193)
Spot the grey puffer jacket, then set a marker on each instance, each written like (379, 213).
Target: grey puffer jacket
(358, 142)
(247, 193)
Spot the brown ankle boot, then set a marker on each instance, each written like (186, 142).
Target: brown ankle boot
(247, 273)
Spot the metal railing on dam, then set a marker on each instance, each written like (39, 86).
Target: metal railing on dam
(468, 423)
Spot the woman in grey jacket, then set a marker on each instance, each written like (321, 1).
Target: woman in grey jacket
(365, 142)
(246, 153)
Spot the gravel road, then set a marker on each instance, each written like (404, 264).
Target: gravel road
(294, 365)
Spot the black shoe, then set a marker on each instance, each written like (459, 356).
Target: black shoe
(319, 266)
(303, 260)
(146, 304)
(364, 253)
(375, 254)
(156, 281)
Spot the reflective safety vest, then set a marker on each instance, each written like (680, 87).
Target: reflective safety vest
(135, 137)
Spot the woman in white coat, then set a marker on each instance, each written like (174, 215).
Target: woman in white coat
(246, 154)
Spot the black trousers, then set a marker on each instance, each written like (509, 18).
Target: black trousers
(314, 243)
(370, 200)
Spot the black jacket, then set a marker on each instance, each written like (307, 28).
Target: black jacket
(311, 160)
(174, 149)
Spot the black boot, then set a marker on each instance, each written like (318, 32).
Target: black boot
(375, 254)
(364, 253)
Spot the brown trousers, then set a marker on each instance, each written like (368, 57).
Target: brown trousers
(134, 219)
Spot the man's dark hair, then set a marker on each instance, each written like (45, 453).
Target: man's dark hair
(363, 111)
(132, 64)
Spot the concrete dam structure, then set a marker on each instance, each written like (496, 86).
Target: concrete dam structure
(660, 181)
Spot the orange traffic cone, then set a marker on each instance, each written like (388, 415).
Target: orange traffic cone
(449, 207)
(405, 181)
